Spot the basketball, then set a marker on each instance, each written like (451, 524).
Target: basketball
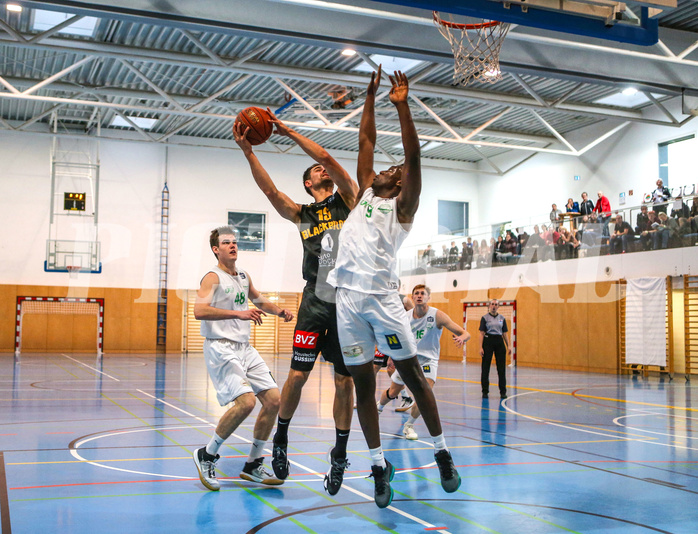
(259, 122)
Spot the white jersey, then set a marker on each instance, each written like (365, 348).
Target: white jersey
(427, 334)
(231, 293)
(368, 245)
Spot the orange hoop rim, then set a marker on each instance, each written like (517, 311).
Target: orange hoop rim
(457, 26)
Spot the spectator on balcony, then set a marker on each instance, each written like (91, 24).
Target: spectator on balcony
(660, 197)
(511, 246)
(685, 229)
(476, 251)
(444, 252)
(555, 214)
(466, 256)
(622, 236)
(666, 230)
(514, 237)
(546, 251)
(453, 253)
(682, 211)
(694, 207)
(534, 243)
(568, 244)
(642, 220)
(586, 207)
(428, 255)
(572, 206)
(485, 257)
(648, 230)
(523, 239)
(603, 209)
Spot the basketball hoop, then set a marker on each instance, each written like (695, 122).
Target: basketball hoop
(73, 270)
(475, 48)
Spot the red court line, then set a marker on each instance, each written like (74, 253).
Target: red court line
(436, 528)
(60, 432)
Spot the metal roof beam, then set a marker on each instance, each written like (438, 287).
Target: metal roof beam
(319, 76)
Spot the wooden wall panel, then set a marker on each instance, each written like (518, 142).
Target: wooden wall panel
(527, 320)
(84, 334)
(175, 309)
(450, 304)
(8, 312)
(59, 333)
(603, 328)
(117, 320)
(34, 328)
(143, 320)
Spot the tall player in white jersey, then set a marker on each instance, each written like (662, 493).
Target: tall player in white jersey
(236, 369)
(369, 311)
(427, 324)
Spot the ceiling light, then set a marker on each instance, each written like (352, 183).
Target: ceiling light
(317, 122)
(629, 91)
(14, 8)
(45, 20)
(389, 63)
(431, 145)
(348, 52)
(142, 122)
(492, 72)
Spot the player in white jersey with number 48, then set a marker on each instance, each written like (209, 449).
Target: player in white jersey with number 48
(427, 324)
(238, 372)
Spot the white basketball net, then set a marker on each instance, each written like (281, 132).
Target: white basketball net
(475, 49)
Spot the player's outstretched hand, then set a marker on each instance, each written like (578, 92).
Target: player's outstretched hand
(375, 82)
(287, 315)
(281, 128)
(240, 136)
(400, 87)
(254, 315)
(462, 339)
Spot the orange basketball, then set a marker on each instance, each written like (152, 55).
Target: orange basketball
(259, 122)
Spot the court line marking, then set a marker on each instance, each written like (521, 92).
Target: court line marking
(617, 421)
(572, 394)
(92, 368)
(5, 523)
(75, 454)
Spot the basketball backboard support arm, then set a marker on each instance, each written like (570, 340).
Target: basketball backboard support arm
(644, 32)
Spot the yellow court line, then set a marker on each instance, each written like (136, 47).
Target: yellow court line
(580, 395)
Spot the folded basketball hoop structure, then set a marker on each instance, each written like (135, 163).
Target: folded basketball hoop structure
(475, 48)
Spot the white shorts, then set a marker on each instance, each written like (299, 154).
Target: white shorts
(235, 369)
(429, 366)
(367, 321)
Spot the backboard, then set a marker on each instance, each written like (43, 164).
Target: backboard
(628, 22)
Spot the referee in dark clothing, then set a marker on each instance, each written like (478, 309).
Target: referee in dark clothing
(494, 340)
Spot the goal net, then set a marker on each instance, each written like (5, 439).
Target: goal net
(59, 306)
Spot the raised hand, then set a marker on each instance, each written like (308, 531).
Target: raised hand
(375, 81)
(462, 339)
(400, 88)
(281, 128)
(240, 136)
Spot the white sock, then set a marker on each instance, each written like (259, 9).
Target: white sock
(257, 449)
(214, 444)
(411, 420)
(380, 407)
(377, 457)
(404, 394)
(439, 443)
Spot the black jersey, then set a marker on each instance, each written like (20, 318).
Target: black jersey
(319, 227)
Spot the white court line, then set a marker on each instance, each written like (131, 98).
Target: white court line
(425, 524)
(90, 367)
(571, 427)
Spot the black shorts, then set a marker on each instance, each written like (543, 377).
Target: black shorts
(316, 332)
(380, 359)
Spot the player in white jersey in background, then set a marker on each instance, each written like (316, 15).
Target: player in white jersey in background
(369, 311)
(427, 324)
(236, 369)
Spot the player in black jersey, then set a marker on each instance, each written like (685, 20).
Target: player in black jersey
(319, 224)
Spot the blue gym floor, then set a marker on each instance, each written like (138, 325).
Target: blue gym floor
(104, 446)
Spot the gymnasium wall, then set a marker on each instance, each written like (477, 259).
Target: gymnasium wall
(204, 184)
(569, 326)
(130, 320)
(625, 161)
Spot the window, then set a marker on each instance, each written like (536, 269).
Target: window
(250, 230)
(453, 217)
(676, 159)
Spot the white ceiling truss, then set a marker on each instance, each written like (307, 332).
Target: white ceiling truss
(83, 82)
